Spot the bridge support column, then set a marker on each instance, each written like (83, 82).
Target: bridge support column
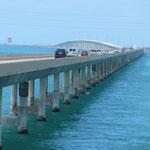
(42, 98)
(31, 92)
(93, 75)
(75, 83)
(55, 105)
(111, 66)
(104, 76)
(23, 93)
(108, 66)
(82, 88)
(105, 69)
(97, 73)
(118, 64)
(1, 92)
(71, 79)
(115, 65)
(66, 87)
(46, 87)
(101, 71)
(89, 77)
(13, 104)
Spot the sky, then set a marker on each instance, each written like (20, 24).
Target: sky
(49, 22)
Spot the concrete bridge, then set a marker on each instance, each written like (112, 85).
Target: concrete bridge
(88, 45)
(79, 75)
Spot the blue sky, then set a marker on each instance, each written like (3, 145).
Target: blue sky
(122, 22)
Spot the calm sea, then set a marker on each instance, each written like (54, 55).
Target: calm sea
(115, 115)
(19, 49)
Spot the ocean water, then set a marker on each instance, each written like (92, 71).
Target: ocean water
(20, 49)
(114, 115)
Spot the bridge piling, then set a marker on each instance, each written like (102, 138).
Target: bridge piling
(66, 87)
(23, 93)
(101, 71)
(75, 84)
(55, 105)
(31, 92)
(46, 87)
(93, 83)
(97, 73)
(83, 77)
(13, 104)
(104, 69)
(88, 79)
(42, 99)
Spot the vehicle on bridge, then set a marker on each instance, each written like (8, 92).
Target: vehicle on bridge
(59, 53)
(93, 52)
(84, 53)
(105, 52)
(99, 52)
(72, 52)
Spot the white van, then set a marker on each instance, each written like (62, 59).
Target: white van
(72, 52)
(93, 52)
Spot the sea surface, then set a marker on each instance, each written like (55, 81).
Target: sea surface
(21, 49)
(114, 115)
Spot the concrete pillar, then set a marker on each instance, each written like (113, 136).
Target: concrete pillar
(55, 105)
(23, 93)
(97, 73)
(46, 86)
(89, 77)
(101, 71)
(1, 118)
(31, 92)
(66, 78)
(75, 84)
(108, 65)
(71, 79)
(93, 75)
(82, 88)
(79, 76)
(13, 103)
(106, 69)
(111, 66)
(42, 99)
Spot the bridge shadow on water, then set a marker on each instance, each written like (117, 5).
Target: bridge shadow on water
(41, 133)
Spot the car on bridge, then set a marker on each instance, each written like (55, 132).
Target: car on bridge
(99, 52)
(72, 52)
(93, 52)
(59, 53)
(105, 52)
(84, 53)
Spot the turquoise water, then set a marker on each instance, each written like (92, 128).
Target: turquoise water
(115, 115)
(18, 49)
